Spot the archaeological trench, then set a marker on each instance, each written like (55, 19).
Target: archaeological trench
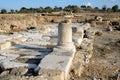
(60, 47)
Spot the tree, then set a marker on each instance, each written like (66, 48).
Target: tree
(108, 9)
(115, 8)
(3, 11)
(23, 10)
(83, 6)
(76, 9)
(96, 8)
(39, 10)
(30, 10)
(104, 8)
(68, 8)
(16, 11)
(56, 9)
(12, 11)
(48, 9)
(89, 7)
(72, 8)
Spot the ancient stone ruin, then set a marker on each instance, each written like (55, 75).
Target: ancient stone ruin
(59, 51)
(65, 36)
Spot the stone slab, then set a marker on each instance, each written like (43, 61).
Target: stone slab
(60, 64)
(37, 42)
(2, 57)
(10, 55)
(5, 37)
(32, 47)
(18, 40)
(32, 57)
(15, 35)
(5, 45)
(12, 64)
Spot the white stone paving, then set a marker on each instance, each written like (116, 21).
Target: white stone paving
(34, 48)
(12, 64)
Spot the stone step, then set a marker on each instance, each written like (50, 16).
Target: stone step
(56, 66)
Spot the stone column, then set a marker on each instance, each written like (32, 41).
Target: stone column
(65, 35)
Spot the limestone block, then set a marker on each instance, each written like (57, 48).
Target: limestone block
(105, 23)
(44, 29)
(12, 64)
(32, 57)
(5, 45)
(63, 52)
(32, 31)
(2, 57)
(18, 40)
(28, 35)
(10, 55)
(5, 38)
(19, 71)
(15, 35)
(59, 64)
(98, 18)
(47, 38)
(36, 42)
(77, 41)
(4, 73)
(68, 16)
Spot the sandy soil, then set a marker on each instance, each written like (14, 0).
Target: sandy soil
(105, 62)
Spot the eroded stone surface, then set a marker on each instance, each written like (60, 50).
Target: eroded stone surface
(53, 64)
(49, 74)
(57, 63)
(12, 64)
(63, 52)
(19, 71)
(5, 45)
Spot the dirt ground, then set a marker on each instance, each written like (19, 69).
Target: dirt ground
(105, 62)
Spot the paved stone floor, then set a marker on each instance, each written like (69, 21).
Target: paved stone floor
(32, 49)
